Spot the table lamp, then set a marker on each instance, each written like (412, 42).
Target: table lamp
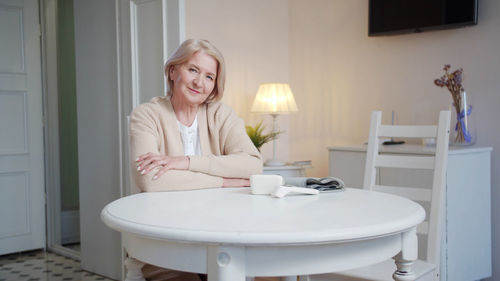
(275, 99)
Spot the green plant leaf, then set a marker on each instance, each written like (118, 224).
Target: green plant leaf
(258, 137)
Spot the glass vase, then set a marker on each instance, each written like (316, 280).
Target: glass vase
(462, 130)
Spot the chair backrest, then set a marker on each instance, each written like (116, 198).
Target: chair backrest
(435, 162)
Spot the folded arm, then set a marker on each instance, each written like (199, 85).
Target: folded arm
(239, 159)
(155, 171)
(160, 164)
(144, 139)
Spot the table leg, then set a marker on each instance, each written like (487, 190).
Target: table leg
(404, 260)
(226, 263)
(134, 272)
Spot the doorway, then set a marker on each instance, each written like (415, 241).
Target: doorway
(63, 219)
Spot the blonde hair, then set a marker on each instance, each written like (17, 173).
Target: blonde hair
(184, 52)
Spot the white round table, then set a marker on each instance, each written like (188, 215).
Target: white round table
(229, 233)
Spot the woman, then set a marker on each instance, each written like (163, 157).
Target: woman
(189, 140)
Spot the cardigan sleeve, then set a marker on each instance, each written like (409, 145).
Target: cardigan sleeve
(239, 159)
(144, 136)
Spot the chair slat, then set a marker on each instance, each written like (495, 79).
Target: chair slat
(423, 228)
(413, 193)
(407, 131)
(408, 162)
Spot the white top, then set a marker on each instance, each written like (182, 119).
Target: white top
(190, 138)
(235, 216)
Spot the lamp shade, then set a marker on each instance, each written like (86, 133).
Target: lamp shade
(274, 98)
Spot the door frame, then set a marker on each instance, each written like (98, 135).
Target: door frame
(174, 30)
(48, 15)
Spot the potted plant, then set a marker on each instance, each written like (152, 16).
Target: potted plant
(258, 137)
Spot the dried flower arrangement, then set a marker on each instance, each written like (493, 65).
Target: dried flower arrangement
(453, 81)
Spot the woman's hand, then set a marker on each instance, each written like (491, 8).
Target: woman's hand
(234, 182)
(150, 161)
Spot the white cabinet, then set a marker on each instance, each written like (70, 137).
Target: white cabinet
(466, 244)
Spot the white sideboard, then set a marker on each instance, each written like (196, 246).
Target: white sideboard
(466, 244)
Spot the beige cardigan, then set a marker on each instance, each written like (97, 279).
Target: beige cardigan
(225, 147)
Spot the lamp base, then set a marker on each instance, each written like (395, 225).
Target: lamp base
(274, 163)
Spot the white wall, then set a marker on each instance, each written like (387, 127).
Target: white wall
(253, 37)
(340, 75)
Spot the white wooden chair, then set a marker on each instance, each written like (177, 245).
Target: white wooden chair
(427, 267)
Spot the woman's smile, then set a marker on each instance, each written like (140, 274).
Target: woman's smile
(193, 90)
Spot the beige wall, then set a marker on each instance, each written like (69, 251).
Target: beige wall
(253, 36)
(339, 74)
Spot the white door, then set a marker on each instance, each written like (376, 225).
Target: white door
(22, 208)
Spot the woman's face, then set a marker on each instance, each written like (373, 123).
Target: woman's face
(195, 79)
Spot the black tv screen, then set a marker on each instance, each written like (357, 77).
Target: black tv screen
(405, 16)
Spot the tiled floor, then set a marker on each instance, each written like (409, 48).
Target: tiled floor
(42, 266)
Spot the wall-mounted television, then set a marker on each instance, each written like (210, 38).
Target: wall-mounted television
(387, 17)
